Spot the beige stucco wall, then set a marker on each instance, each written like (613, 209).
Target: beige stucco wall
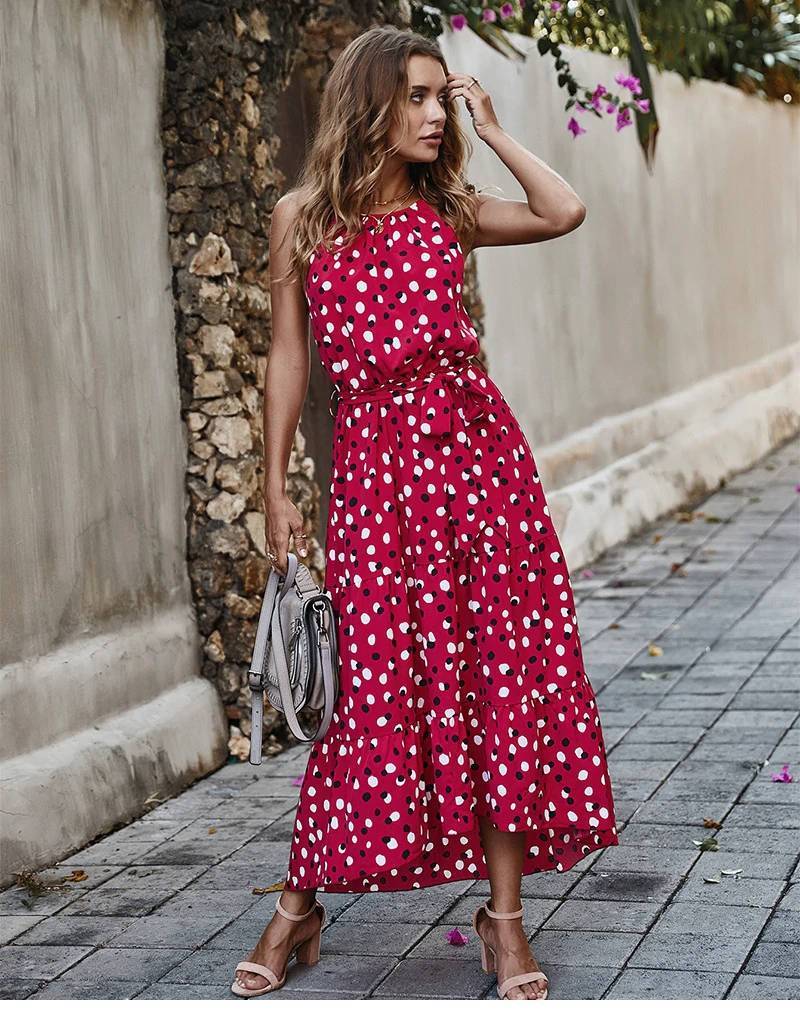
(96, 620)
(664, 330)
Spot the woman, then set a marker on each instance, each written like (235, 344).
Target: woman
(466, 742)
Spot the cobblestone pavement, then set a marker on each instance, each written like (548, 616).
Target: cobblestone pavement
(695, 731)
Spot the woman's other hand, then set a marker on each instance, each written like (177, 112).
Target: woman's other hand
(282, 522)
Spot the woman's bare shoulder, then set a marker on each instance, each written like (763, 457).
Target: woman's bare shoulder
(290, 203)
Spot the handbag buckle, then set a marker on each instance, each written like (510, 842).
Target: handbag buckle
(255, 680)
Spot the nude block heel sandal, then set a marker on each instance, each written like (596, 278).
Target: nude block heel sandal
(489, 958)
(307, 952)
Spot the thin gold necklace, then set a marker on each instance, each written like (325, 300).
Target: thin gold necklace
(399, 197)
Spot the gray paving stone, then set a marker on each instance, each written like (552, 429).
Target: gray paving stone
(15, 988)
(765, 791)
(155, 877)
(691, 951)
(646, 858)
(415, 978)
(119, 901)
(773, 866)
(194, 992)
(764, 988)
(738, 718)
(377, 938)
(239, 875)
(149, 829)
(412, 906)
(773, 958)
(19, 901)
(113, 851)
(75, 990)
(650, 752)
(75, 930)
(12, 926)
(732, 891)
(603, 915)
(668, 985)
(791, 899)
(169, 931)
(684, 735)
(141, 965)
(764, 816)
(192, 902)
(639, 833)
(583, 948)
(624, 771)
(626, 886)
(38, 962)
(681, 812)
(784, 925)
(708, 918)
(758, 840)
(677, 717)
(198, 854)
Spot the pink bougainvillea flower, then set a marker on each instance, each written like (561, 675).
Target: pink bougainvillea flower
(610, 107)
(623, 118)
(630, 82)
(458, 21)
(575, 127)
(297, 781)
(598, 94)
(487, 14)
(783, 776)
(555, 6)
(643, 105)
(455, 937)
(507, 11)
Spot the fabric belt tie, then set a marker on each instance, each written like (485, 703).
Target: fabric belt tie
(445, 391)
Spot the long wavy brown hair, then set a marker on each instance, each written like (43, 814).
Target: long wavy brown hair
(364, 95)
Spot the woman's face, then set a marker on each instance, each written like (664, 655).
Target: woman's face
(426, 105)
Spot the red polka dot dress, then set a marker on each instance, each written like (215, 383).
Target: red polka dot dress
(463, 691)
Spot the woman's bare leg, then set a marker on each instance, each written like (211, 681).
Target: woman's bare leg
(280, 936)
(505, 853)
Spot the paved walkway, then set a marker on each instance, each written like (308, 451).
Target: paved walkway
(695, 732)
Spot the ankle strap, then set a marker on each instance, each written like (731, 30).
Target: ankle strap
(294, 916)
(503, 916)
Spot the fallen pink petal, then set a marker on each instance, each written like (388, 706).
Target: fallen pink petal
(575, 127)
(455, 937)
(297, 781)
(783, 776)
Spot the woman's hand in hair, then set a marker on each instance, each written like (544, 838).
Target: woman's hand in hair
(477, 99)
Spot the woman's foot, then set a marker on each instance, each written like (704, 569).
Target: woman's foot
(513, 954)
(280, 936)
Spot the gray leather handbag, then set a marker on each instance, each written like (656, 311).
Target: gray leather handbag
(295, 657)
